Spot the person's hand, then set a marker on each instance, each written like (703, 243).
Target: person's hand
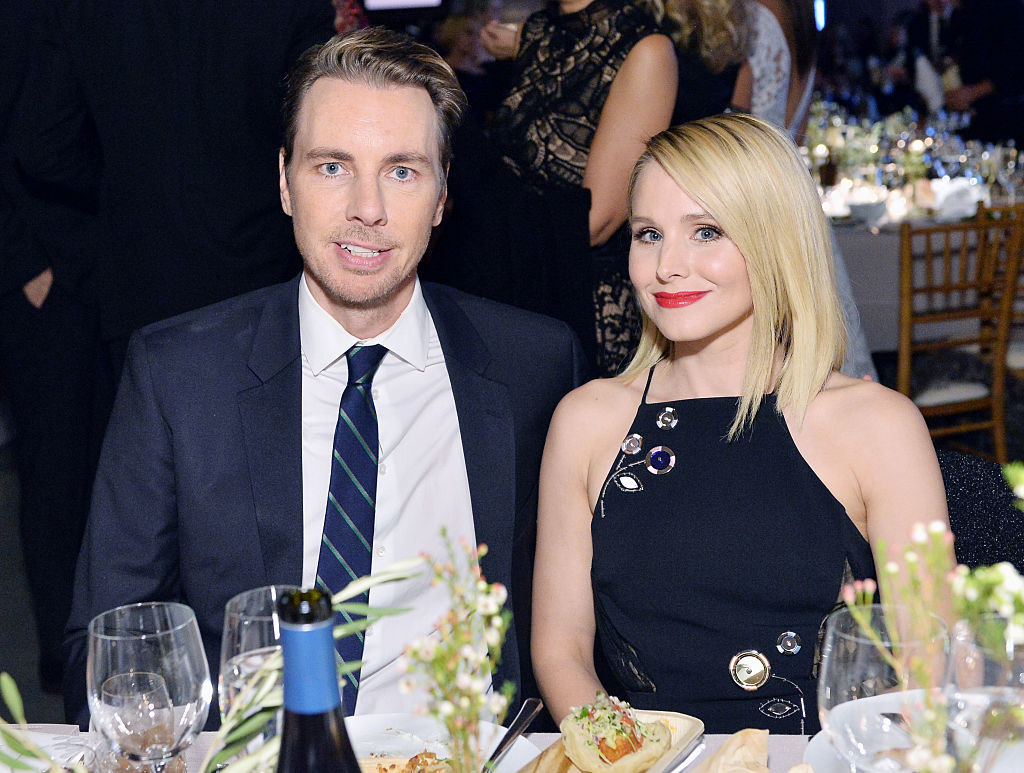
(37, 289)
(962, 98)
(500, 39)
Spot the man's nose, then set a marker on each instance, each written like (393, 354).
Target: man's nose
(366, 205)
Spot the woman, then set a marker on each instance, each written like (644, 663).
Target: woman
(748, 477)
(596, 79)
(776, 81)
(710, 39)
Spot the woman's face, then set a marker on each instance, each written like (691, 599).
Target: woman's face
(689, 277)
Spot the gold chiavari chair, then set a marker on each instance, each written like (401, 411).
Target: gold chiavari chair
(957, 287)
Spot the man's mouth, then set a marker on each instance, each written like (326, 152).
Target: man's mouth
(360, 252)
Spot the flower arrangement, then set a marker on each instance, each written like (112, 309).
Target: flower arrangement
(457, 665)
(989, 600)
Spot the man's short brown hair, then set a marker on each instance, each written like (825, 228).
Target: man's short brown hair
(381, 58)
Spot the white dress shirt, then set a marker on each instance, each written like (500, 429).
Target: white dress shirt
(422, 483)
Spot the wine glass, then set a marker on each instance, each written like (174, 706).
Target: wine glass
(879, 665)
(148, 682)
(985, 689)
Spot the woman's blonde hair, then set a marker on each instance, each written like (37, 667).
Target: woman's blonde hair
(749, 176)
(716, 30)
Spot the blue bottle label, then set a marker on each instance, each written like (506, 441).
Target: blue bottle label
(310, 674)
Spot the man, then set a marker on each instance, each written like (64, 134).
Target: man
(217, 467)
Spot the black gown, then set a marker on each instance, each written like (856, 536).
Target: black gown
(706, 552)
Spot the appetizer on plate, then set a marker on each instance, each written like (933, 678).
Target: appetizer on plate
(606, 737)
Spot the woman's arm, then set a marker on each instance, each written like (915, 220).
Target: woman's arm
(562, 639)
(898, 473)
(639, 105)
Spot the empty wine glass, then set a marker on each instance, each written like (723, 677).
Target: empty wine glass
(880, 673)
(985, 690)
(252, 634)
(148, 682)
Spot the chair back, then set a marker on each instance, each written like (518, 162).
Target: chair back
(957, 287)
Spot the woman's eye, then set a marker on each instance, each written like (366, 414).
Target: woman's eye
(707, 234)
(331, 168)
(403, 173)
(647, 235)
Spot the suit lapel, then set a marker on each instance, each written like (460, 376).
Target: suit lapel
(486, 426)
(271, 415)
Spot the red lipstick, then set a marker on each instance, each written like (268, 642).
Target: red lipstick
(678, 300)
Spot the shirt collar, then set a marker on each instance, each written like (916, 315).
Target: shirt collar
(324, 341)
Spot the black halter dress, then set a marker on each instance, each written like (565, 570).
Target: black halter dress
(714, 566)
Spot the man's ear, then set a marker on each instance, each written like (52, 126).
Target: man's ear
(442, 197)
(282, 171)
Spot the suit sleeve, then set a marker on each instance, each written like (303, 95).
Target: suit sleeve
(130, 549)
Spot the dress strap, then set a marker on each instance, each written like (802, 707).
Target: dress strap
(647, 387)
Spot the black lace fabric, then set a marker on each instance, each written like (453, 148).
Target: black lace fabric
(546, 124)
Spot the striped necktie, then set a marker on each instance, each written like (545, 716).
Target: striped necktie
(348, 525)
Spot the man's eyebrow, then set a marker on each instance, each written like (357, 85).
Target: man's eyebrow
(408, 157)
(328, 154)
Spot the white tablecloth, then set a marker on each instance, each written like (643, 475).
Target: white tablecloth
(784, 751)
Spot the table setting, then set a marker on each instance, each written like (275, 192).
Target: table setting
(899, 689)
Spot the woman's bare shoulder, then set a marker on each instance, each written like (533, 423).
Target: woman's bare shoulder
(864, 409)
(594, 409)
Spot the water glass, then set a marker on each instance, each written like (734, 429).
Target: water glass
(879, 673)
(148, 683)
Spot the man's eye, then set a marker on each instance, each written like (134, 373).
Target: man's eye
(403, 173)
(331, 168)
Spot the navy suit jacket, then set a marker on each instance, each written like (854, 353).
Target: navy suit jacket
(199, 491)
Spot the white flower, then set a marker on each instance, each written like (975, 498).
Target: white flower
(479, 685)
(1015, 632)
(919, 534)
(464, 702)
(911, 557)
(970, 593)
(1018, 491)
(464, 681)
(492, 637)
(487, 605)
(426, 648)
(497, 623)
(937, 527)
(891, 567)
(499, 592)
(468, 653)
(496, 703)
(406, 685)
(445, 709)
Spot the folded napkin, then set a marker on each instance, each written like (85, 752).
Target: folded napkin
(743, 752)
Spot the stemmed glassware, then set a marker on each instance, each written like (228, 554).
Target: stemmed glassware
(881, 672)
(148, 682)
(985, 690)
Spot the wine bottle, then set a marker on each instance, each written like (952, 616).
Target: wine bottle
(313, 737)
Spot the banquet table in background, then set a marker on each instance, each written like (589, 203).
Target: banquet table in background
(873, 264)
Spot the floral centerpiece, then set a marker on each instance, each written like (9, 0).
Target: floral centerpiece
(457, 665)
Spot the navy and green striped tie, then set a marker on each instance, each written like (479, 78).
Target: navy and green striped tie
(351, 499)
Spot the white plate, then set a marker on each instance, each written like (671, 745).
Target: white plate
(686, 734)
(406, 735)
(60, 747)
(822, 756)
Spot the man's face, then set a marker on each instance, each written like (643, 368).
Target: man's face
(364, 189)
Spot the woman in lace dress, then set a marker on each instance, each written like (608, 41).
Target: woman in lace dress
(775, 82)
(595, 80)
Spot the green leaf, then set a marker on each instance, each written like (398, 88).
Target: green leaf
(251, 726)
(17, 744)
(400, 570)
(14, 764)
(9, 690)
(350, 667)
